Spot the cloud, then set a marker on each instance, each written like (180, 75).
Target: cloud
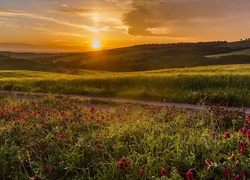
(55, 33)
(145, 15)
(9, 11)
(8, 23)
(74, 11)
(51, 19)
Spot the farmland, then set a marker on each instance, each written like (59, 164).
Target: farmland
(227, 84)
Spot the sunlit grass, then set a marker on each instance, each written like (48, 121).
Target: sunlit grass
(211, 84)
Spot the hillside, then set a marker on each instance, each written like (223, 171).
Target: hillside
(9, 63)
(134, 58)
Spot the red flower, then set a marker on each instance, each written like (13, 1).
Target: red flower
(164, 172)
(48, 170)
(228, 172)
(232, 158)
(248, 134)
(227, 134)
(208, 161)
(237, 177)
(242, 130)
(189, 175)
(242, 147)
(237, 164)
(121, 165)
(244, 175)
(141, 173)
(92, 109)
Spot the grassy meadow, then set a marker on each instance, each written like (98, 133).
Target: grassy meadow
(55, 138)
(227, 84)
(58, 137)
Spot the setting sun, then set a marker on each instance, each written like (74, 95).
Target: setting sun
(96, 44)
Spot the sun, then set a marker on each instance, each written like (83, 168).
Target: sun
(96, 44)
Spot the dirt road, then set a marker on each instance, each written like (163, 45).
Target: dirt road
(28, 95)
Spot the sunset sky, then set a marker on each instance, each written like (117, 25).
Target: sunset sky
(74, 25)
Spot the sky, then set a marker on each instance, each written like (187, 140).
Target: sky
(73, 25)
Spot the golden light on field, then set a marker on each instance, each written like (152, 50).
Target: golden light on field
(96, 44)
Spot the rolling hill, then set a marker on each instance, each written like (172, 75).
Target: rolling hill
(134, 58)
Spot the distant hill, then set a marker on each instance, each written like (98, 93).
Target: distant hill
(9, 63)
(134, 58)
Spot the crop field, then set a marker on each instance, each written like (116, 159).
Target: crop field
(199, 85)
(55, 138)
(240, 52)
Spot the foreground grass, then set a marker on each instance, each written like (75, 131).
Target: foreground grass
(214, 84)
(57, 139)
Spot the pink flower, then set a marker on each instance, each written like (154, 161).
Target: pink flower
(164, 172)
(227, 134)
(189, 175)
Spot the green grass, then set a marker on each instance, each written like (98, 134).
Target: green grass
(54, 138)
(212, 84)
(8, 63)
(240, 52)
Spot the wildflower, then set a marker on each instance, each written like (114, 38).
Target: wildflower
(242, 147)
(244, 175)
(232, 158)
(189, 175)
(227, 134)
(215, 138)
(164, 172)
(121, 165)
(242, 130)
(97, 144)
(248, 134)
(48, 170)
(228, 172)
(237, 164)
(141, 173)
(92, 109)
(209, 161)
(237, 177)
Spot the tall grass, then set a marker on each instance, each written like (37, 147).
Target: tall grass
(214, 84)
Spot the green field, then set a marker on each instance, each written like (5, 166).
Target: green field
(9, 63)
(210, 84)
(240, 52)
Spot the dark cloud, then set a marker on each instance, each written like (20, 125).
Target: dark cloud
(145, 15)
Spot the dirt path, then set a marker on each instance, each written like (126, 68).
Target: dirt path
(28, 95)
